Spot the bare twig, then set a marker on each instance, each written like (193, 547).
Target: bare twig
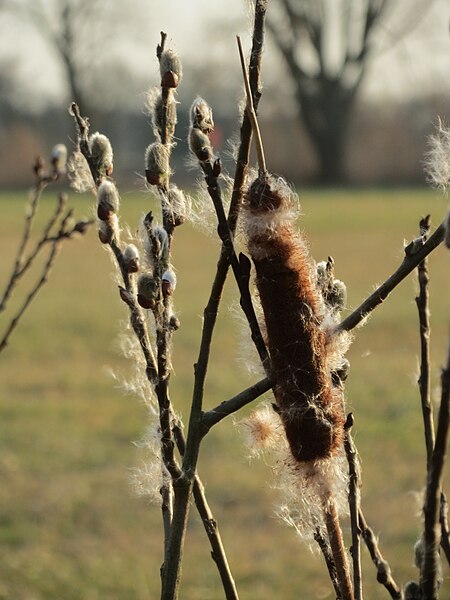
(354, 502)
(228, 407)
(41, 281)
(384, 574)
(431, 537)
(445, 534)
(181, 507)
(409, 263)
(324, 547)
(422, 301)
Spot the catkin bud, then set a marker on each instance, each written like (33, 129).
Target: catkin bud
(156, 164)
(108, 230)
(202, 116)
(82, 226)
(59, 158)
(411, 591)
(168, 282)
(447, 230)
(131, 258)
(200, 145)
(170, 69)
(336, 296)
(102, 154)
(171, 115)
(177, 203)
(147, 288)
(107, 200)
(174, 323)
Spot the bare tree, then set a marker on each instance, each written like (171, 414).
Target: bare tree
(327, 47)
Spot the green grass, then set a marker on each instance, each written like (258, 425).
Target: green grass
(70, 527)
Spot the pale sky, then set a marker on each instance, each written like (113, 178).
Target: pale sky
(204, 31)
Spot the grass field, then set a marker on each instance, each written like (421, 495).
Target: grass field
(70, 527)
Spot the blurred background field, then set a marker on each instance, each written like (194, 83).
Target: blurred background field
(70, 526)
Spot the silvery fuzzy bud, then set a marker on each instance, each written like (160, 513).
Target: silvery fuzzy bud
(163, 239)
(171, 115)
(168, 282)
(156, 164)
(131, 258)
(82, 226)
(174, 323)
(107, 230)
(411, 591)
(200, 145)
(147, 288)
(322, 274)
(59, 158)
(170, 69)
(202, 116)
(102, 154)
(447, 230)
(177, 203)
(340, 375)
(337, 295)
(107, 200)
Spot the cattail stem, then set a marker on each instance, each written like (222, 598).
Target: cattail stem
(338, 549)
(251, 111)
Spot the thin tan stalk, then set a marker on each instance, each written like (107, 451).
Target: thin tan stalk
(338, 549)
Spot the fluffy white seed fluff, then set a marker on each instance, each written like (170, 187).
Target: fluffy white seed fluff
(437, 159)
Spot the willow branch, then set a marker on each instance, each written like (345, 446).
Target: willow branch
(325, 549)
(384, 574)
(228, 407)
(40, 282)
(409, 263)
(354, 503)
(430, 564)
(422, 302)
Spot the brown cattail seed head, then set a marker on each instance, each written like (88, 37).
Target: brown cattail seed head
(447, 230)
(168, 282)
(131, 258)
(107, 200)
(171, 115)
(309, 406)
(200, 145)
(170, 69)
(102, 154)
(59, 158)
(156, 164)
(147, 288)
(202, 116)
(264, 194)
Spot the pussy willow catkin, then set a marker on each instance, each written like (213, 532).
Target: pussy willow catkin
(310, 407)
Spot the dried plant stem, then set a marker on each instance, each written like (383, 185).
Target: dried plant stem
(354, 502)
(409, 263)
(55, 246)
(338, 549)
(251, 111)
(422, 302)
(384, 574)
(325, 549)
(445, 534)
(431, 537)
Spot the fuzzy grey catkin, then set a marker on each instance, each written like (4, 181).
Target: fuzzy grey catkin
(131, 258)
(107, 200)
(157, 167)
(102, 153)
(158, 113)
(202, 116)
(200, 145)
(147, 290)
(170, 69)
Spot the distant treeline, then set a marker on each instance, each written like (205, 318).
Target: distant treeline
(386, 144)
